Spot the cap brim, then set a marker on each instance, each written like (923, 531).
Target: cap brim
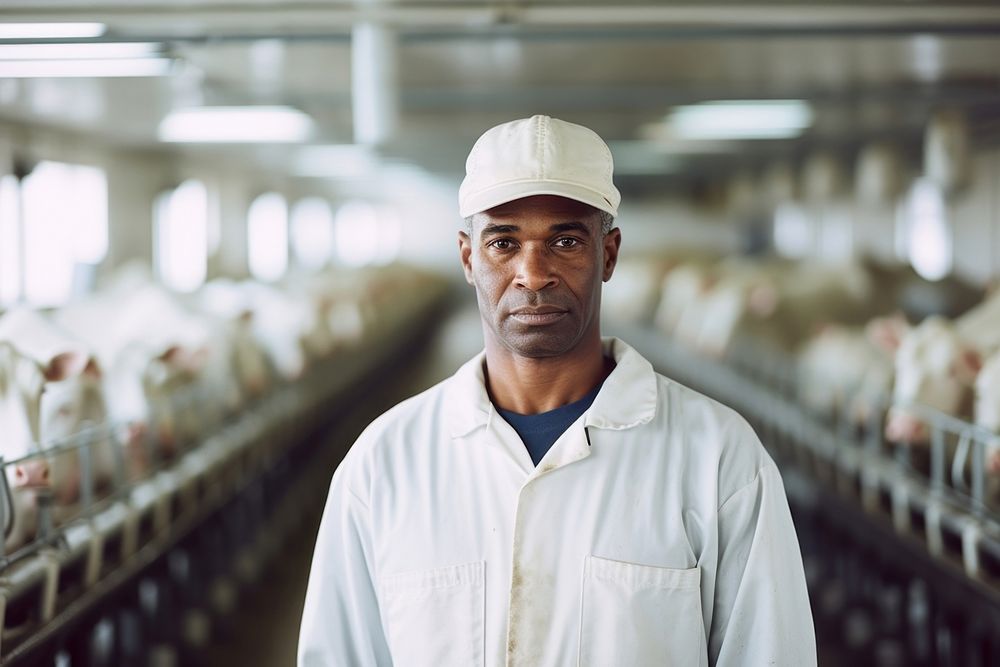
(508, 192)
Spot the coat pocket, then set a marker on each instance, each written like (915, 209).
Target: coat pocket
(640, 615)
(436, 617)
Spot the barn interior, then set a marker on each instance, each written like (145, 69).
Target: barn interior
(807, 185)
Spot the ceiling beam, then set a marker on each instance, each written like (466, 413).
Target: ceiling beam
(221, 18)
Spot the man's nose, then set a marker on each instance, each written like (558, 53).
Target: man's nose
(535, 270)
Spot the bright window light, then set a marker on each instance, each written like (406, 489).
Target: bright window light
(100, 50)
(312, 232)
(58, 198)
(836, 233)
(51, 30)
(10, 242)
(90, 229)
(741, 119)
(267, 237)
(182, 236)
(793, 233)
(356, 234)
(390, 236)
(236, 124)
(93, 68)
(928, 237)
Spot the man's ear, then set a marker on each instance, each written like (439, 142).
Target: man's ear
(465, 252)
(612, 243)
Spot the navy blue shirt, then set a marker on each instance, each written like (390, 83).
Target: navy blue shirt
(539, 432)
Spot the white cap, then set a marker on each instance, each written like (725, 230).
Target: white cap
(538, 156)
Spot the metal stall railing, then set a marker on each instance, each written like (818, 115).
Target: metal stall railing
(173, 546)
(919, 523)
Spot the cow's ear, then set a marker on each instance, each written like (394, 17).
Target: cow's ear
(969, 363)
(93, 369)
(886, 333)
(65, 365)
(172, 354)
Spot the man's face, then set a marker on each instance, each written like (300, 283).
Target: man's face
(537, 264)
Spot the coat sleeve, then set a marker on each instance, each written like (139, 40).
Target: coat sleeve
(761, 613)
(341, 624)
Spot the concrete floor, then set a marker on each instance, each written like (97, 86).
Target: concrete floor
(267, 622)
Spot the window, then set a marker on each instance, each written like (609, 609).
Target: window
(836, 233)
(63, 230)
(267, 237)
(356, 233)
(366, 234)
(181, 251)
(927, 237)
(390, 233)
(10, 241)
(312, 233)
(793, 232)
(89, 190)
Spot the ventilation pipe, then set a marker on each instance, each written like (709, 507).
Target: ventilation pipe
(946, 151)
(374, 83)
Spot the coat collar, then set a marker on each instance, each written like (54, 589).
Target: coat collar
(628, 397)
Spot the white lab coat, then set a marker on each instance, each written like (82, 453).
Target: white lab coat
(654, 532)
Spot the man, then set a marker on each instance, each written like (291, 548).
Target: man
(555, 502)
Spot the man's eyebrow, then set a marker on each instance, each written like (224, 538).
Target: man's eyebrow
(570, 227)
(499, 229)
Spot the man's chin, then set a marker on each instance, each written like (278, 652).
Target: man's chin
(539, 345)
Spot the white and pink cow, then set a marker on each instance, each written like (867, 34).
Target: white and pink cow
(775, 302)
(151, 352)
(848, 370)
(682, 286)
(275, 323)
(52, 391)
(937, 364)
(21, 383)
(987, 406)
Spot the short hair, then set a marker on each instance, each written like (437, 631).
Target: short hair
(607, 222)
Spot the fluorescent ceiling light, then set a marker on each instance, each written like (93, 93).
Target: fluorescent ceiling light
(99, 50)
(51, 30)
(334, 161)
(96, 68)
(742, 119)
(257, 124)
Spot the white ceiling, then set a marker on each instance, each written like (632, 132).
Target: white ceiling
(871, 71)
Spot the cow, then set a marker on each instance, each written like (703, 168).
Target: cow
(151, 351)
(847, 370)
(775, 303)
(683, 285)
(66, 406)
(22, 383)
(936, 365)
(986, 409)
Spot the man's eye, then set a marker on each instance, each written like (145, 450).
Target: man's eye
(501, 244)
(567, 242)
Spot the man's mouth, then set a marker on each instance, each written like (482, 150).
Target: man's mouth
(538, 315)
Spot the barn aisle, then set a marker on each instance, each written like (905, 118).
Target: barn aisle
(268, 619)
